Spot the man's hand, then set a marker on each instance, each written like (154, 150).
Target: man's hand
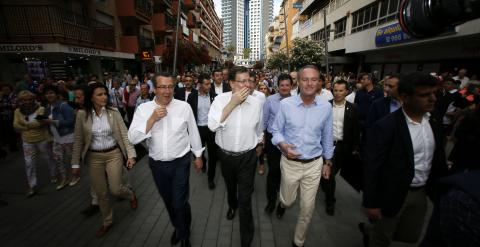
(327, 169)
(288, 150)
(131, 163)
(373, 214)
(239, 96)
(259, 150)
(198, 163)
(158, 113)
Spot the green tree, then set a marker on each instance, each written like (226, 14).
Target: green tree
(277, 61)
(231, 51)
(305, 52)
(246, 53)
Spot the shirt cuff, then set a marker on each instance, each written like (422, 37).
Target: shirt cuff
(198, 153)
(75, 166)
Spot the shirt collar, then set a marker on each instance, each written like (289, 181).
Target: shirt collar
(103, 110)
(341, 105)
(298, 100)
(426, 117)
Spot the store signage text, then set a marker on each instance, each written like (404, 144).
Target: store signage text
(21, 48)
(391, 34)
(146, 56)
(84, 50)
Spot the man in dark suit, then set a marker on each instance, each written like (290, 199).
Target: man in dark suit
(219, 85)
(404, 156)
(385, 105)
(183, 92)
(200, 101)
(346, 136)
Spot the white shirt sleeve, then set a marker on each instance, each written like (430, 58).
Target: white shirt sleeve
(260, 125)
(136, 132)
(215, 115)
(195, 141)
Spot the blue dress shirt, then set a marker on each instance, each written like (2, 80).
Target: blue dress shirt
(270, 110)
(394, 105)
(308, 127)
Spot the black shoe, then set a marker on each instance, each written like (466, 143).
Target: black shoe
(366, 238)
(211, 185)
(91, 210)
(174, 240)
(230, 214)
(185, 243)
(280, 210)
(270, 207)
(330, 209)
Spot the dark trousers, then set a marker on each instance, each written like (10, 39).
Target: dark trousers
(130, 112)
(274, 174)
(172, 180)
(208, 139)
(239, 174)
(328, 185)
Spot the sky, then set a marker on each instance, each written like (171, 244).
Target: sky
(218, 7)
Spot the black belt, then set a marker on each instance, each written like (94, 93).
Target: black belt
(104, 150)
(304, 161)
(416, 188)
(234, 153)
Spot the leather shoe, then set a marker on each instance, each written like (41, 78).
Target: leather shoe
(103, 230)
(185, 243)
(270, 207)
(330, 209)
(230, 214)
(366, 238)
(211, 185)
(280, 210)
(174, 240)
(91, 210)
(134, 202)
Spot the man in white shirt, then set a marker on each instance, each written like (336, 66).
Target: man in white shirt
(294, 90)
(236, 117)
(219, 85)
(172, 135)
(323, 93)
(462, 76)
(252, 85)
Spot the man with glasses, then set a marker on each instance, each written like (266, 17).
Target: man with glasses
(172, 136)
(236, 117)
(303, 130)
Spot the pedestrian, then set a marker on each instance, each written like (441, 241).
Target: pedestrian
(404, 157)
(130, 95)
(169, 127)
(385, 105)
(33, 135)
(252, 85)
(220, 85)
(364, 98)
(60, 120)
(346, 138)
(323, 93)
(200, 101)
(101, 141)
(270, 110)
(187, 89)
(116, 96)
(236, 119)
(145, 95)
(303, 130)
(295, 89)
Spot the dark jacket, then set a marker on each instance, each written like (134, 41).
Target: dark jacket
(379, 109)
(193, 101)
(225, 85)
(364, 100)
(180, 94)
(63, 116)
(351, 131)
(389, 163)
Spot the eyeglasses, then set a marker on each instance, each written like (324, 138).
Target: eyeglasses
(165, 86)
(243, 82)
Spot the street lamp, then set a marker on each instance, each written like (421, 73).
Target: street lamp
(286, 35)
(325, 38)
(176, 38)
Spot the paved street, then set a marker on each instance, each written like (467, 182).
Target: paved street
(52, 218)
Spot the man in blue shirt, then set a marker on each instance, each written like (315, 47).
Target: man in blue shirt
(303, 130)
(270, 110)
(385, 105)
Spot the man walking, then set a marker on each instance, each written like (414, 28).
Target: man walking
(172, 135)
(236, 117)
(385, 105)
(303, 130)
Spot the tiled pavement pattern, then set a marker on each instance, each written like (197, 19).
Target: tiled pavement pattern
(52, 218)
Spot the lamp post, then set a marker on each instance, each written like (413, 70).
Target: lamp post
(286, 34)
(176, 38)
(325, 38)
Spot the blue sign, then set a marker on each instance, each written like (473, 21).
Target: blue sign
(391, 35)
(297, 5)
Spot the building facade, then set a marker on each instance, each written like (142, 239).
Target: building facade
(233, 15)
(274, 37)
(364, 35)
(261, 15)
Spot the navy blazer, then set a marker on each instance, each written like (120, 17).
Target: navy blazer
(225, 85)
(179, 94)
(379, 109)
(389, 163)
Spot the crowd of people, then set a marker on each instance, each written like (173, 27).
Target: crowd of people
(398, 140)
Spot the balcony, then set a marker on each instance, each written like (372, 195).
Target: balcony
(142, 10)
(135, 44)
(146, 43)
(162, 23)
(192, 20)
(48, 23)
(188, 4)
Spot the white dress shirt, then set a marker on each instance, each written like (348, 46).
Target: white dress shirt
(423, 143)
(242, 130)
(218, 89)
(172, 136)
(325, 95)
(203, 107)
(260, 96)
(351, 97)
(102, 134)
(338, 117)
(294, 91)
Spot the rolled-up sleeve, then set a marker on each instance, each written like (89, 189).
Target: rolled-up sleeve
(278, 126)
(136, 132)
(327, 135)
(195, 141)
(260, 126)
(215, 115)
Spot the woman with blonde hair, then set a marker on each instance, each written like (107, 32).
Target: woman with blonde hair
(101, 141)
(34, 135)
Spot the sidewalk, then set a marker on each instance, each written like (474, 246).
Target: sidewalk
(52, 218)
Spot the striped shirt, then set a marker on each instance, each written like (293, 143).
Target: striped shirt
(102, 134)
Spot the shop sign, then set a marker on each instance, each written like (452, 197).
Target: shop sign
(146, 56)
(21, 48)
(84, 50)
(297, 5)
(390, 35)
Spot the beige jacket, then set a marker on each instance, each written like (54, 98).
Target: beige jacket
(31, 131)
(83, 135)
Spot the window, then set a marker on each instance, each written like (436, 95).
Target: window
(365, 18)
(388, 10)
(320, 35)
(340, 27)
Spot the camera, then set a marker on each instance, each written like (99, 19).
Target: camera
(427, 18)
